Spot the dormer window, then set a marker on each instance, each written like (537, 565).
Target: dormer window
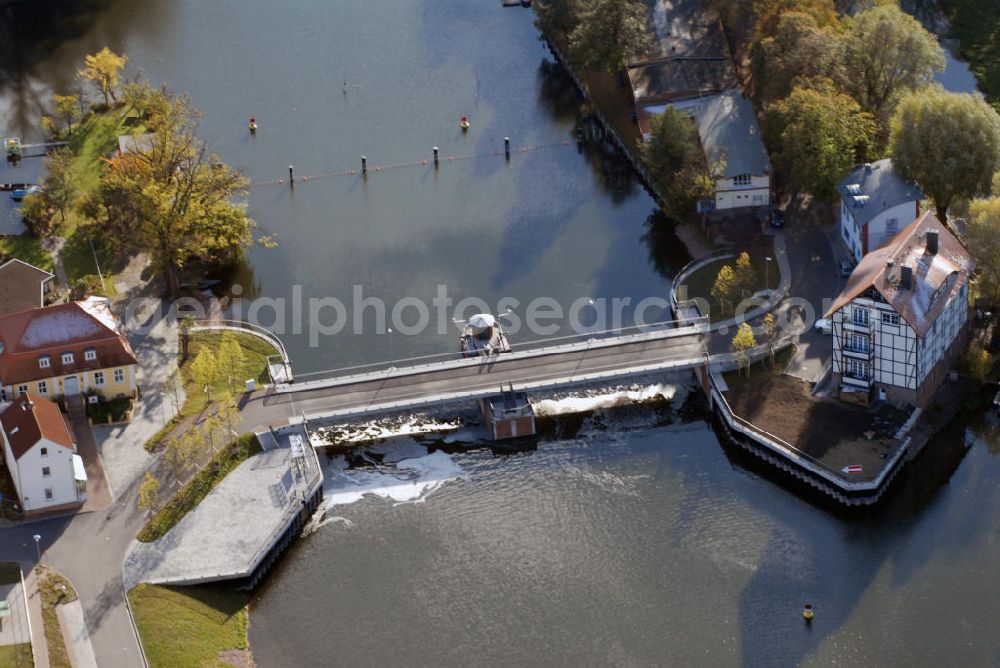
(44, 362)
(89, 355)
(67, 358)
(741, 180)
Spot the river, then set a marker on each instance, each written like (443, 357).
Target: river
(625, 547)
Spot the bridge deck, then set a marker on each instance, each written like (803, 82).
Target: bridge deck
(465, 382)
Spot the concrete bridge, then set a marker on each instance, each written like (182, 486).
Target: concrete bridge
(597, 359)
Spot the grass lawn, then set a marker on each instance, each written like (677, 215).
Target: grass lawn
(191, 494)
(699, 284)
(976, 24)
(16, 656)
(189, 626)
(27, 248)
(51, 597)
(78, 260)
(760, 370)
(255, 352)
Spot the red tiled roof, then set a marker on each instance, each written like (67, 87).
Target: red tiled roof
(932, 282)
(21, 286)
(64, 328)
(31, 418)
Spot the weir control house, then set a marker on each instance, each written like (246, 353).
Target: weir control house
(901, 319)
(66, 350)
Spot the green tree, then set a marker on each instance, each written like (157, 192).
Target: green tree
(103, 69)
(59, 184)
(173, 199)
(886, 54)
(609, 34)
(982, 236)
(204, 369)
(179, 454)
(979, 362)
(149, 492)
(743, 343)
(67, 108)
(232, 359)
(798, 50)
(557, 17)
(725, 287)
(949, 143)
(818, 134)
(676, 162)
(746, 277)
(769, 13)
(229, 415)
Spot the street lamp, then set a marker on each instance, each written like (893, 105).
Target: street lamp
(767, 266)
(392, 357)
(38, 549)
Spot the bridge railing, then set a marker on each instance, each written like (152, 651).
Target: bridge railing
(535, 348)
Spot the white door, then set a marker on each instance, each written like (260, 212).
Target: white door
(71, 386)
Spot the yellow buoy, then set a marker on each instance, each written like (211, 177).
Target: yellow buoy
(807, 612)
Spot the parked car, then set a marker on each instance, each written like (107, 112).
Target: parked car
(21, 193)
(846, 268)
(823, 326)
(777, 218)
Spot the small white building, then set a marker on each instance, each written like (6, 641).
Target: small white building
(901, 320)
(40, 455)
(875, 204)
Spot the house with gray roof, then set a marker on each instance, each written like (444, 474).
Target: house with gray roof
(730, 137)
(874, 201)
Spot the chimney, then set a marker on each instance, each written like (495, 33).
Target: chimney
(932, 242)
(906, 277)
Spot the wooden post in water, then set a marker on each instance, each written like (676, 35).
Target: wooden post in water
(435, 157)
(364, 165)
(291, 176)
(506, 147)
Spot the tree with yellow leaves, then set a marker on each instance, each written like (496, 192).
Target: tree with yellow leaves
(103, 69)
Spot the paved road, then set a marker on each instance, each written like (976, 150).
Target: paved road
(369, 394)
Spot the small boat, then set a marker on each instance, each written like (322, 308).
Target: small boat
(21, 193)
(12, 146)
(483, 336)
(253, 124)
(464, 123)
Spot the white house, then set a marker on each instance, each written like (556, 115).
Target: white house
(875, 203)
(901, 320)
(40, 454)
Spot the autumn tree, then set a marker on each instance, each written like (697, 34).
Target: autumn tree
(818, 134)
(557, 16)
(204, 369)
(149, 492)
(770, 325)
(610, 33)
(769, 13)
(978, 362)
(746, 277)
(103, 69)
(982, 237)
(886, 54)
(725, 287)
(232, 359)
(67, 108)
(229, 415)
(676, 162)
(948, 143)
(798, 50)
(743, 343)
(59, 189)
(172, 198)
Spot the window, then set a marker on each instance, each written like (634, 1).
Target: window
(858, 343)
(98, 378)
(890, 318)
(45, 452)
(860, 316)
(89, 355)
(3, 394)
(43, 387)
(44, 362)
(67, 358)
(741, 180)
(858, 369)
(119, 375)
(46, 472)
(48, 493)
(22, 389)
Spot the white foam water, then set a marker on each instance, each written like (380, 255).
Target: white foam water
(591, 403)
